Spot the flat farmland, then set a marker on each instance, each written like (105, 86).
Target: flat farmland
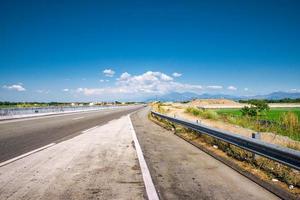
(274, 114)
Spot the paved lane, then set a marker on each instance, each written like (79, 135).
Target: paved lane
(23, 135)
(99, 164)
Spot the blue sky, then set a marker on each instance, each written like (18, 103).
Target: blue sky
(58, 50)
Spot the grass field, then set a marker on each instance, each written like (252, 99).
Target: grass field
(273, 115)
(283, 121)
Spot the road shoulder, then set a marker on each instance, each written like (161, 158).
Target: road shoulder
(181, 171)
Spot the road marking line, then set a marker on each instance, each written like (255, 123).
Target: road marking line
(89, 129)
(25, 154)
(150, 188)
(77, 118)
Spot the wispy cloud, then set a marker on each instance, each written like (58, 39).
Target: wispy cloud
(246, 89)
(103, 80)
(16, 87)
(175, 74)
(66, 90)
(215, 87)
(43, 91)
(231, 88)
(294, 90)
(109, 72)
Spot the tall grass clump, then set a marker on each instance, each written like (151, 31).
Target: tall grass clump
(160, 108)
(290, 122)
(207, 114)
(194, 111)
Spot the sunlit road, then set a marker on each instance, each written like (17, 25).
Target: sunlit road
(23, 135)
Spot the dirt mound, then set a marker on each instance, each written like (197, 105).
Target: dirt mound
(207, 102)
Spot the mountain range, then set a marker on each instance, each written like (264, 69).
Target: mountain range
(185, 96)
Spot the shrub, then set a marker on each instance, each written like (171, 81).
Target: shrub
(249, 111)
(258, 107)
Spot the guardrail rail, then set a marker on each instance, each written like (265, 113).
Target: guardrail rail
(277, 153)
(35, 110)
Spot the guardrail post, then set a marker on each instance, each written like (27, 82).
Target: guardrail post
(256, 136)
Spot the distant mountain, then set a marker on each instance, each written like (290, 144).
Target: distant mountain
(218, 96)
(186, 96)
(278, 95)
(175, 96)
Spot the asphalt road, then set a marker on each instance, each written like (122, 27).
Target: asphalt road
(100, 163)
(23, 135)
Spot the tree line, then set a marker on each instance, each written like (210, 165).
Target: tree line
(285, 100)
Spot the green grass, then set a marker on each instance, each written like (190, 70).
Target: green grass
(273, 115)
(280, 121)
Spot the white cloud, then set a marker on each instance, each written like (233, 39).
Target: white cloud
(246, 89)
(231, 88)
(175, 74)
(294, 90)
(17, 87)
(124, 76)
(66, 90)
(148, 83)
(109, 72)
(103, 80)
(215, 87)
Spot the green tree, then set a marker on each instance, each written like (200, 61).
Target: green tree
(257, 107)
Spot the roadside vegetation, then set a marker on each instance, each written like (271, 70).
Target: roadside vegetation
(258, 116)
(264, 168)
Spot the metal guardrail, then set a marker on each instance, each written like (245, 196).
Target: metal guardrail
(277, 153)
(35, 110)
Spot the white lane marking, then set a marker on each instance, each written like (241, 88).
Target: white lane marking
(89, 129)
(150, 188)
(25, 154)
(77, 118)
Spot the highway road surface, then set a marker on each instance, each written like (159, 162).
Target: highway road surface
(23, 135)
(95, 155)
